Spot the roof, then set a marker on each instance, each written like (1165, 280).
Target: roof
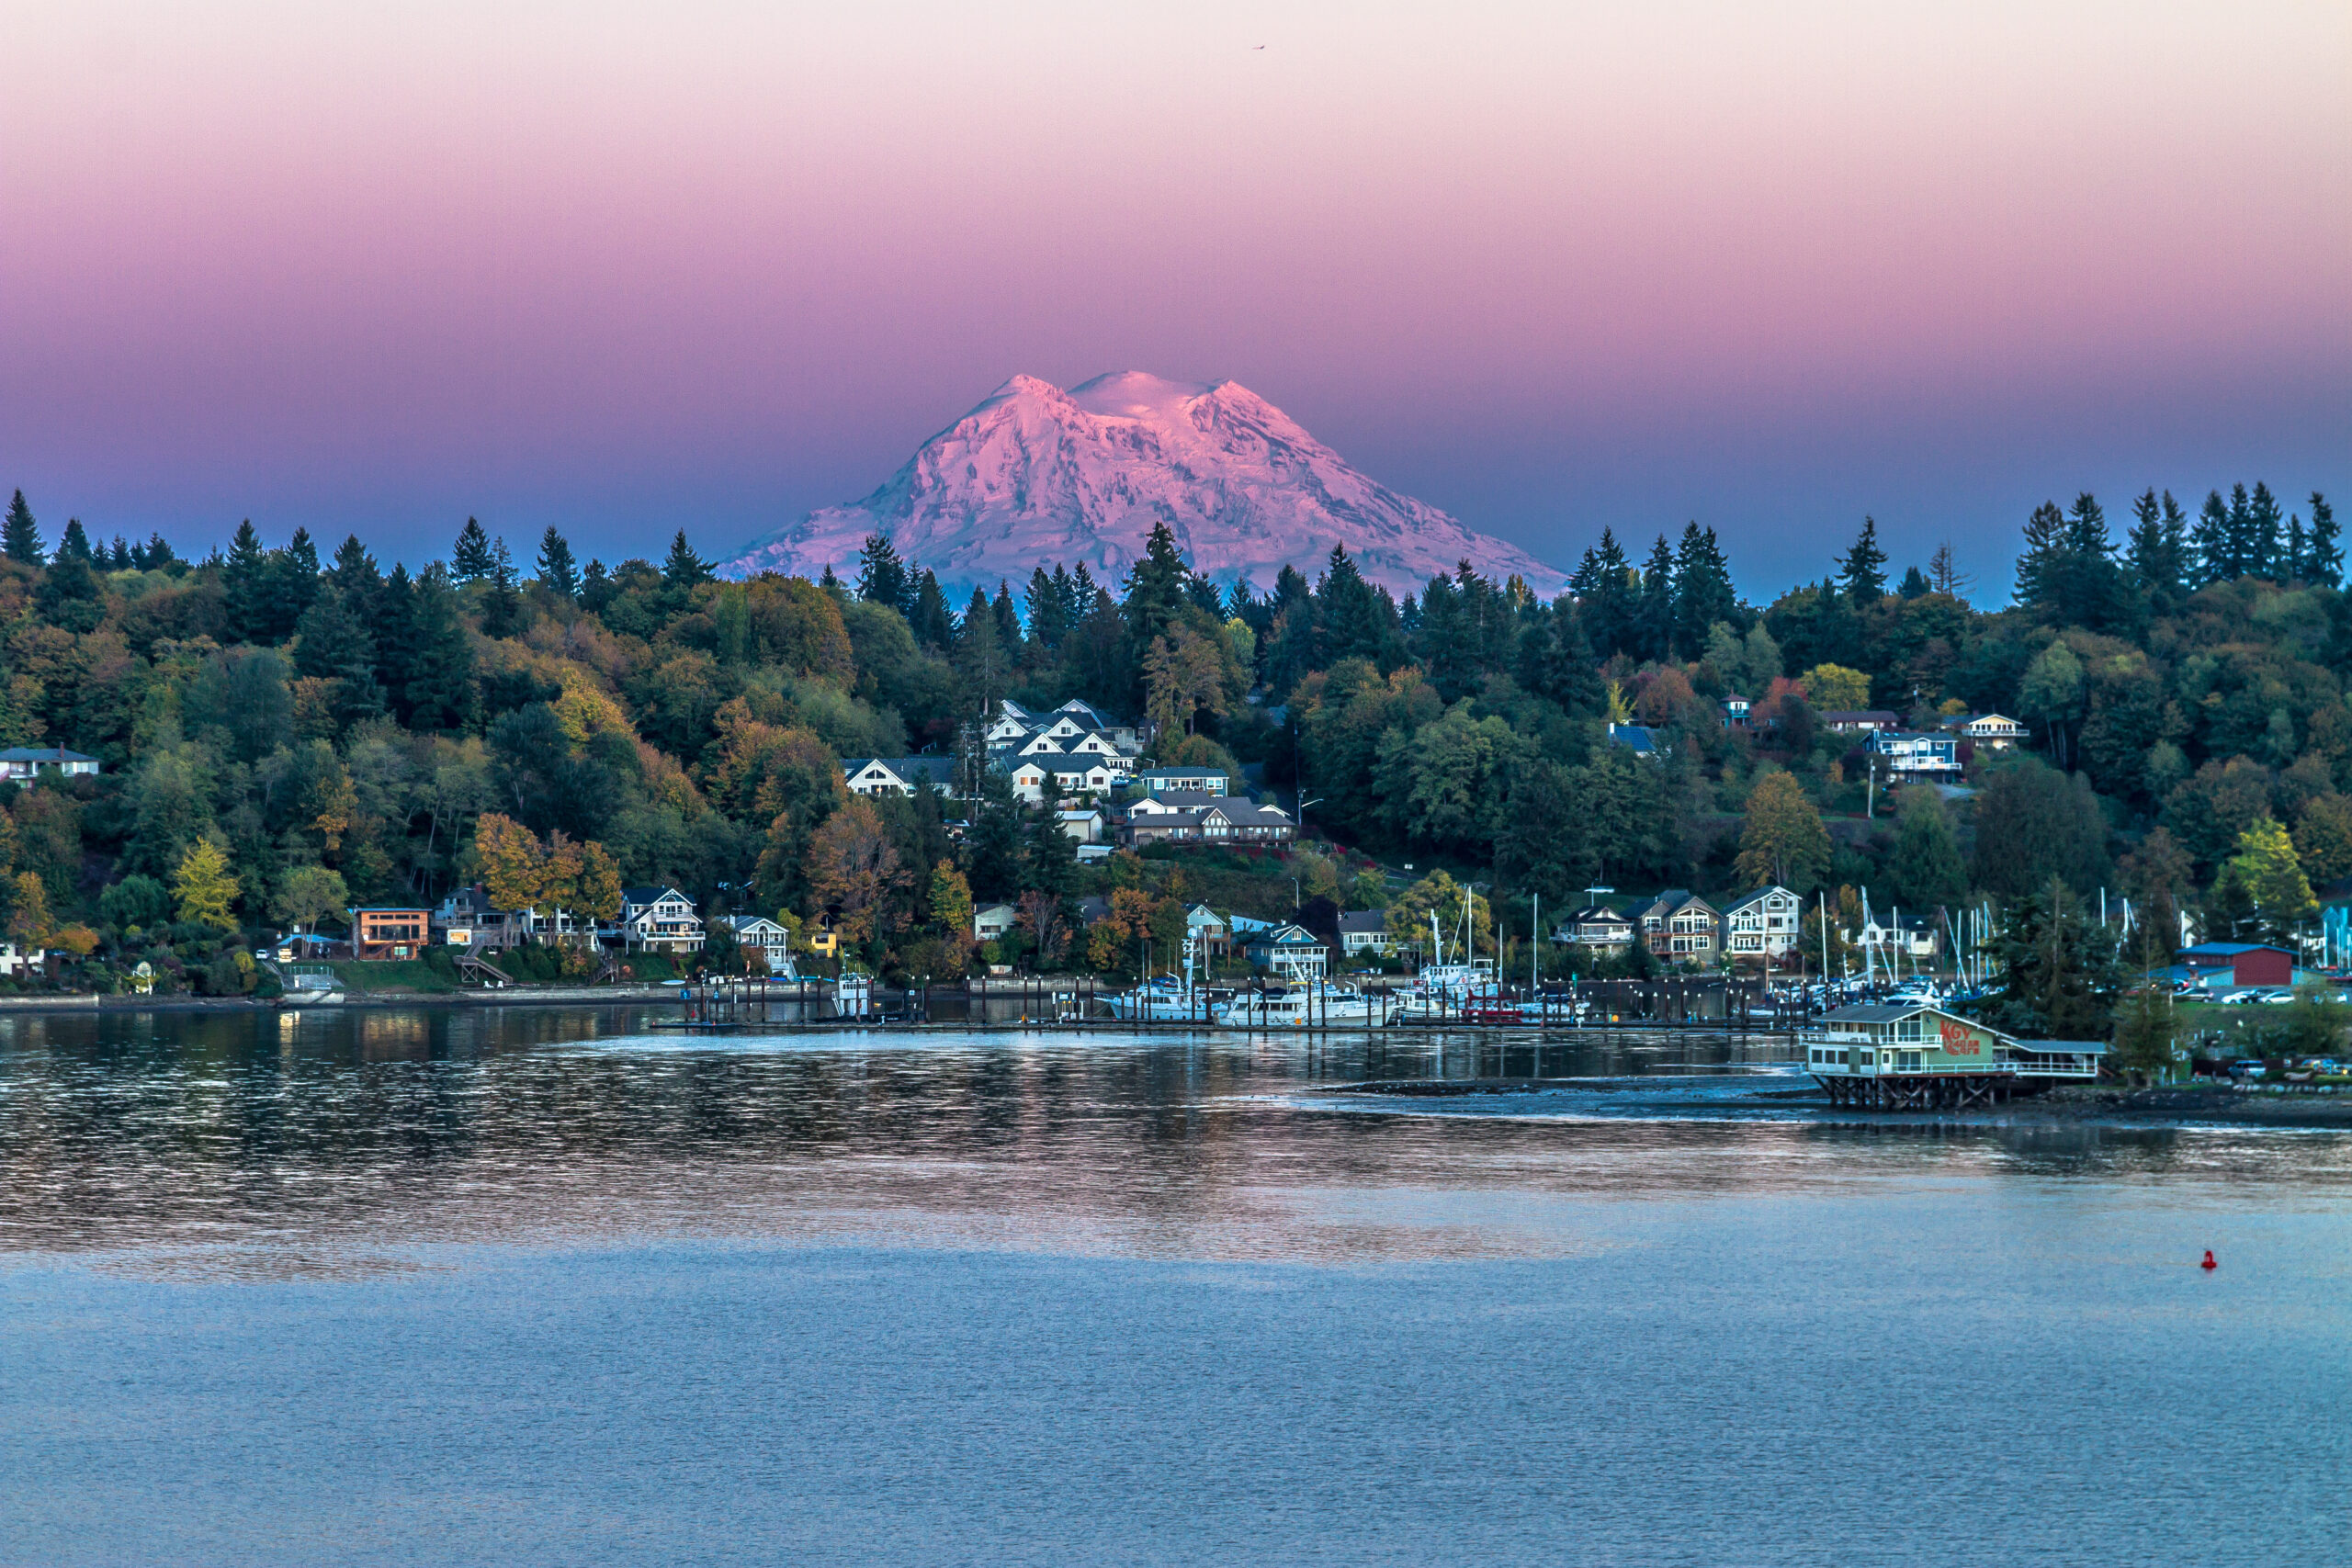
(1078, 815)
(994, 908)
(1633, 737)
(1596, 912)
(387, 910)
(650, 894)
(1183, 773)
(1744, 899)
(1880, 1012)
(2228, 950)
(1286, 935)
(746, 922)
(1364, 920)
(940, 768)
(42, 754)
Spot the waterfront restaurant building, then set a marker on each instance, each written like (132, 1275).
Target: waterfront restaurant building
(1910, 1055)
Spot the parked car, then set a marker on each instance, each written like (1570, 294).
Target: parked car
(2275, 998)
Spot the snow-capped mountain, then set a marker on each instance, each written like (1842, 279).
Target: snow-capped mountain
(1035, 475)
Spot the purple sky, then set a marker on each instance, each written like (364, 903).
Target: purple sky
(1546, 266)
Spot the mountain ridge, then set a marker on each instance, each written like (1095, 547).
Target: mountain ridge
(1034, 474)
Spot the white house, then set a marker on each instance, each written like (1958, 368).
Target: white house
(27, 761)
(1764, 926)
(1913, 936)
(1994, 732)
(1362, 931)
(660, 920)
(1030, 780)
(993, 921)
(1596, 927)
(757, 933)
(1084, 825)
(16, 961)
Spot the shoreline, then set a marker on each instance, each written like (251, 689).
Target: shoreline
(2067, 1104)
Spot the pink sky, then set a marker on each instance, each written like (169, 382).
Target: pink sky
(629, 269)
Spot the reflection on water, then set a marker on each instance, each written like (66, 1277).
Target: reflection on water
(462, 1287)
(291, 1140)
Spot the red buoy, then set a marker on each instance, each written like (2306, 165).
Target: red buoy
(2209, 1265)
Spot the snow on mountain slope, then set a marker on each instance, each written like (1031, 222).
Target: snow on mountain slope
(1035, 475)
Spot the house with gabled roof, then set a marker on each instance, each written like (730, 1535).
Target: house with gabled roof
(1763, 927)
(1680, 925)
(658, 919)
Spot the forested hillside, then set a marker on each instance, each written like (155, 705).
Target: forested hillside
(282, 734)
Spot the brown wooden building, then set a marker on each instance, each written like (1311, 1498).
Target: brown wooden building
(388, 933)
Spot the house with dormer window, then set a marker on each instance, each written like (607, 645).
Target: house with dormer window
(658, 920)
(1680, 925)
(1763, 927)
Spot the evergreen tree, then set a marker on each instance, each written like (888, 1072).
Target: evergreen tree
(2214, 542)
(597, 588)
(392, 625)
(2155, 549)
(1555, 662)
(2264, 535)
(1653, 621)
(20, 537)
(293, 583)
(1008, 620)
(502, 607)
(2041, 564)
(1354, 619)
(1604, 592)
(1926, 869)
(935, 628)
(440, 692)
(2060, 967)
(119, 556)
(1914, 584)
(247, 586)
(1861, 570)
(74, 545)
(2323, 558)
(355, 576)
(1702, 589)
(1155, 589)
(684, 570)
(882, 577)
(1047, 602)
(471, 560)
(556, 574)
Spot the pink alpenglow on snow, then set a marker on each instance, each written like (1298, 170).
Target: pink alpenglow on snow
(1036, 475)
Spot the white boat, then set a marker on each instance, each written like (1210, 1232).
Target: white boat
(1304, 1007)
(1447, 990)
(1162, 999)
(853, 995)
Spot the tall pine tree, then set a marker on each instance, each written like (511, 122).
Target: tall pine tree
(557, 575)
(74, 545)
(1702, 590)
(20, 535)
(246, 587)
(1654, 618)
(471, 560)
(1861, 570)
(882, 577)
(2322, 556)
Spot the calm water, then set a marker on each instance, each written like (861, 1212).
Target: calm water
(530, 1287)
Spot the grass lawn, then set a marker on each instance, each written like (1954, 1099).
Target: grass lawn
(393, 975)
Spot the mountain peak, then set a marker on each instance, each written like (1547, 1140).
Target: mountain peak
(1035, 475)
